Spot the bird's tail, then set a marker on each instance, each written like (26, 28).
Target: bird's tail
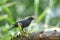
(10, 28)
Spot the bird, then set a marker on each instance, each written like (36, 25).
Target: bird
(23, 23)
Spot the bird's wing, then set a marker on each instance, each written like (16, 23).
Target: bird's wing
(25, 23)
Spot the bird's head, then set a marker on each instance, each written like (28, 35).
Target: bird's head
(31, 18)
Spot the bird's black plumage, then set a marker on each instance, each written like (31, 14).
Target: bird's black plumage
(23, 23)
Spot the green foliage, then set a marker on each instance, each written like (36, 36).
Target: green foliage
(57, 4)
(21, 31)
(12, 10)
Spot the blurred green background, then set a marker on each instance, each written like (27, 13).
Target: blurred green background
(46, 13)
